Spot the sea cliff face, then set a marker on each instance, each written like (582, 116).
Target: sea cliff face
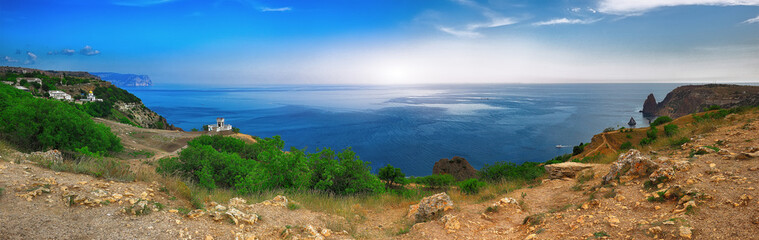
(688, 99)
(125, 80)
(649, 106)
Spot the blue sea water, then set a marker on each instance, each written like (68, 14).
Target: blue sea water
(412, 127)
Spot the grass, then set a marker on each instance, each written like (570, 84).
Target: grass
(2, 190)
(104, 167)
(600, 234)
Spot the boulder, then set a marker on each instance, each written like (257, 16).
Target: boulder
(565, 169)
(631, 163)
(430, 207)
(195, 213)
(53, 156)
(649, 106)
(458, 167)
(451, 223)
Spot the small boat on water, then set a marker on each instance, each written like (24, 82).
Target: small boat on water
(561, 146)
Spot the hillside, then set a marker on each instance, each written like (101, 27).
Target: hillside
(689, 99)
(125, 80)
(117, 104)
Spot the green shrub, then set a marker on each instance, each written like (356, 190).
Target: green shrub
(670, 129)
(509, 171)
(652, 133)
(626, 145)
(226, 162)
(578, 149)
(436, 180)
(712, 107)
(646, 141)
(609, 129)
(392, 175)
(559, 159)
(661, 120)
(471, 186)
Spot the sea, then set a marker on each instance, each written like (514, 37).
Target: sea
(412, 127)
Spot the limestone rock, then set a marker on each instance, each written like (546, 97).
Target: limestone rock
(53, 156)
(451, 222)
(746, 155)
(237, 202)
(631, 163)
(458, 167)
(565, 169)
(507, 202)
(662, 174)
(238, 216)
(196, 213)
(674, 192)
(685, 232)
(431, 207)
(279, 201)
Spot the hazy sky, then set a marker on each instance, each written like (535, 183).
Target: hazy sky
(389, 41)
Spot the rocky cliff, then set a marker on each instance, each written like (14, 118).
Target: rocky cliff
(125, 80)
(688, 99)
(649, 106)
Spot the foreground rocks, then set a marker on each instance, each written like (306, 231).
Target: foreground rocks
(565, 169)
(632, 163)
(431, 207)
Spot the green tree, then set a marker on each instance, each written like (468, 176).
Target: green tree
(392, 175)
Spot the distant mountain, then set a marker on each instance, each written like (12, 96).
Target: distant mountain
(124, 79)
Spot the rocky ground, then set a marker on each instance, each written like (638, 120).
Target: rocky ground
(705, 189)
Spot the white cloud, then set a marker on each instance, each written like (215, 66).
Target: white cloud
(460, 33)
(753, 20)
(88, 51)
(575, 9)
(31, 58)
(282, 9)
(636, 7)
(9, 59)
(140, 3)
(471, 29)
(565, 21)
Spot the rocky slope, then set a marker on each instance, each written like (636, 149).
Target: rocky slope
(125, 80)
(688, 99)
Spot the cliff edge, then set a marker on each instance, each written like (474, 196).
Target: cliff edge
(689, 99)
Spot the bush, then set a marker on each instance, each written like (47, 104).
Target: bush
(661, 120)
(509, 171)
(578, 149)
(436, 180)
(670, 129)
(609, 129)
(226, 162)
(471, 186)
(712, 107)
(559, 159)
(646, 141)
(626, 145)
(652, 133)
(235, 130)
(392, 175)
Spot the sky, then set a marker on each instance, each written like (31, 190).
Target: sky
(252, 42)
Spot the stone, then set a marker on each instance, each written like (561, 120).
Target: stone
(173, 211)
(451, 222)
(590, 204)
(238, 216)
(654, 230)
(431, 207)
(631, 163)
(565, 169)
(326, 232)
(195, 213)
(314, 233)
(746, 155)
(279, 201)
(685, 232)
(458, 167)
(662, 174)
(507, 202)
(613, 221)
(650, 106)
(53, 156)
(674, 192)
(237, 202)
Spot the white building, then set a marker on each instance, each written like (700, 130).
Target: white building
(91, 98)
(220, 126)
(22, 88)
(60, 95)
(30, 80)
